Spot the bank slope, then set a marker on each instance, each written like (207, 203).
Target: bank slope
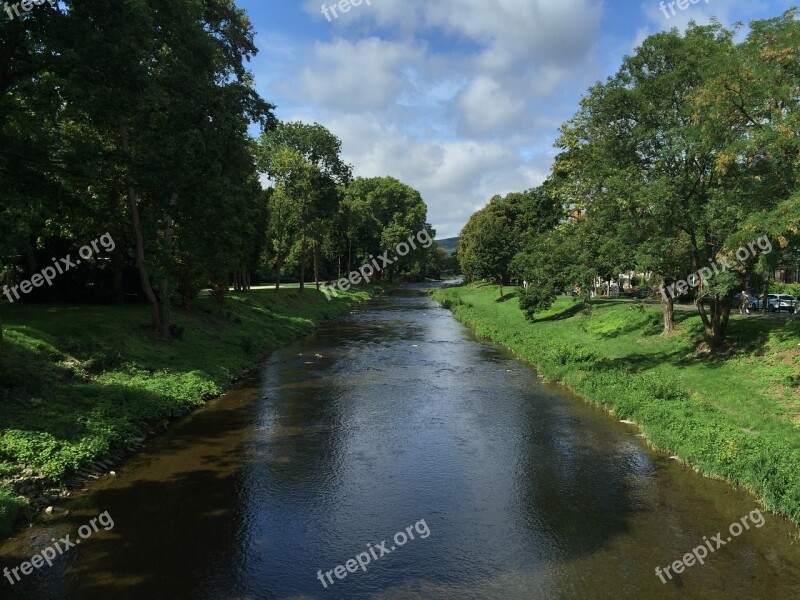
(79, 383)
(735, 417)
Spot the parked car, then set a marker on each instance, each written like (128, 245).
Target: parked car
(776, 302)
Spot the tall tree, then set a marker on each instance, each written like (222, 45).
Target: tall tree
(321, 149)
(635, 144)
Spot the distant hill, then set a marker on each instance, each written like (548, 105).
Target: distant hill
(449, 244)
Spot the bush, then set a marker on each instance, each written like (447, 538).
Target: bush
(450, 303)
(11, 509)
(657, 386)
(793, 289)
(564, 354)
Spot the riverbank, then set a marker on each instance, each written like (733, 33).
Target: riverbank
(82, 384)
(734, 416)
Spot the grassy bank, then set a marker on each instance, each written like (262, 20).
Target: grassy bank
(82, 382)
(735, 416)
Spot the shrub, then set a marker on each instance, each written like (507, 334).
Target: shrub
(564, 354)
(657, 386)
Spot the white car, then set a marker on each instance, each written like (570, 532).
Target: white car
(777, 302)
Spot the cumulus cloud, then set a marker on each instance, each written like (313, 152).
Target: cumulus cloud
(366, 74)
(460, 99)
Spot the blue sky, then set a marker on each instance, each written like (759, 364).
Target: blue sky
(460, 99)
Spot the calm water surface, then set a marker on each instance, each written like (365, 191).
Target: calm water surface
(393, 415)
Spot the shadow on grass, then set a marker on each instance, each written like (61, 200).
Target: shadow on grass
(563, 315)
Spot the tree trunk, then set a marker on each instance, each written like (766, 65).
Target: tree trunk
(169, 230)
(163, 294)
(117, 269)
(278, 266)
(316, 262)
(716, 323)
(184, 286)
(303, 256)
(667, 306)
(133, 204)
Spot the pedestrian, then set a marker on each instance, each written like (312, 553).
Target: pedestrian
(744, 303)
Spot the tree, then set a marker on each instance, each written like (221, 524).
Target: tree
(749, 105)
(378, 214)
(321, 149)
(635, 146)
(294, 179)
(488, 245)
(164, 93)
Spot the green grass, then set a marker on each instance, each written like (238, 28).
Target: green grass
(734, 416)
(80, 382)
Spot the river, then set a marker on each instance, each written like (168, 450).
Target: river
(395, 419)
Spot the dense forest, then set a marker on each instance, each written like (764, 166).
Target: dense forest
(139, 124)
(683, 158)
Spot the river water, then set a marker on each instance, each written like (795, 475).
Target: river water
(395, 418)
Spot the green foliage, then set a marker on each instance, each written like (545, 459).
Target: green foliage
(563, 354)
(537, 298)
(669, 165)
(793, 289)
(11, 508)
(450, 245)
(377, 214)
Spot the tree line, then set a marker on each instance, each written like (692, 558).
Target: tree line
(135, 119)
(689, 152)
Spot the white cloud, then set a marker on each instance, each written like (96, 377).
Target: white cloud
(366, 74)
(460, 99)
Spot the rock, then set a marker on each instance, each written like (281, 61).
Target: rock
(113, 473)
(49, 510)
(627, 422)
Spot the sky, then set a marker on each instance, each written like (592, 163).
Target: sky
(460, 99)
